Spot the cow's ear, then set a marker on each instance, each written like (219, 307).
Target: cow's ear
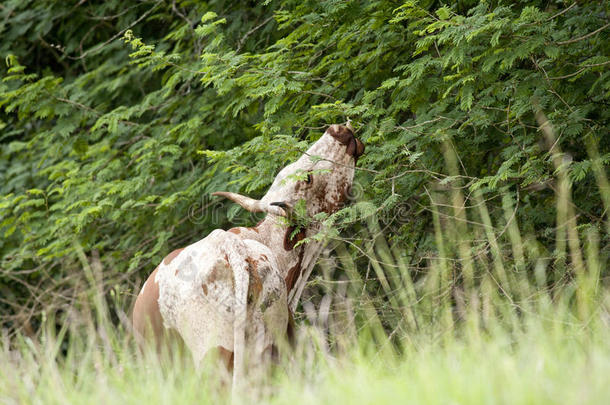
(355, 148)
(359, 148)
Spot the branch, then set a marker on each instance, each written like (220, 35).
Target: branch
(561, 12)
(579, 70)
(252, 31)
(590, 34)
(118, 34)
(87, 108)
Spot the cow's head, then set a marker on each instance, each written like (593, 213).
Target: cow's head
(322, 177)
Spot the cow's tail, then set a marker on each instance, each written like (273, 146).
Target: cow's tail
(241, 277)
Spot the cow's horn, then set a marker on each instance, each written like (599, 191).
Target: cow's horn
(280, 204)
(250, 204)
(349, 125)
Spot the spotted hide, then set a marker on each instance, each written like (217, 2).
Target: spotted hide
(234, 290)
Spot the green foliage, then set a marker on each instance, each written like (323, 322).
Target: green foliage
(117, 120)
(497, 345)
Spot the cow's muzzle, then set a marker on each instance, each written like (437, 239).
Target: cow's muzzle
(345, 135)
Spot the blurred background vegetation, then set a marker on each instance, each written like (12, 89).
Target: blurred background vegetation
(482, 195)
(471, 267)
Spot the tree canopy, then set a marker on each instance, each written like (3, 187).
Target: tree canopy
(118, 119)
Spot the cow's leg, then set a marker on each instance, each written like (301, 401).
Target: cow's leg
(147, 320)
(239, 327)
(257, 368)
(259, 341)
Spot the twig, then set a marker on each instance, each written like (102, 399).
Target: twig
(87, 108)
(571, 41)
(181, 15)
(317, 93)
(118, 34)
(252, 31)
(579, 71)
(112, 17)
(422, 123)
(561, 12)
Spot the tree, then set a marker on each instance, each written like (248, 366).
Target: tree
(118, 121)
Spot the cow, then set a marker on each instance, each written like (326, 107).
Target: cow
(235, 290)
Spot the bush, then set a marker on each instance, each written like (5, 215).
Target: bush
(118, 121)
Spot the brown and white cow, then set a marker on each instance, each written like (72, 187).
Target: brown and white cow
(234, 290)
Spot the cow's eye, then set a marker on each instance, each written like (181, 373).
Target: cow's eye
(309, 178)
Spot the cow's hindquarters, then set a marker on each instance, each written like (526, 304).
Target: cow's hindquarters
(198, 295)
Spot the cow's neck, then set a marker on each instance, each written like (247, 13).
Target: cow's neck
(296, 263)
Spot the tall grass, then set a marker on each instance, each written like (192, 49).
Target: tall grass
(495, 318)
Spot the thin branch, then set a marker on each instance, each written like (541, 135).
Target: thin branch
(252, 31)
(87, 108)
(421, 124)
(571, 41)
(181, 15)
(118, 34)
(579, 71)
(317, 93)
(112, 17)
(561, 12)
